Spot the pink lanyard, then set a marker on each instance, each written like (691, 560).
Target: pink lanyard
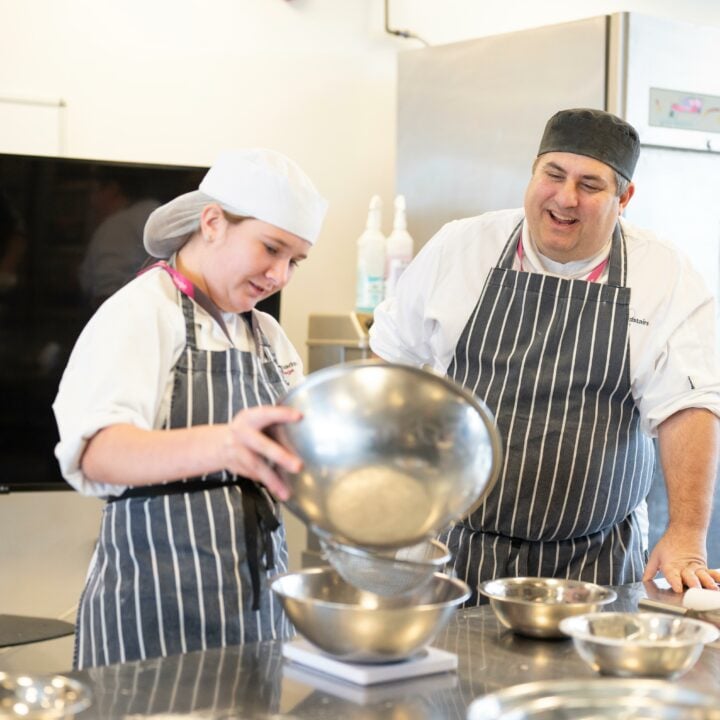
(592, 277)
(186, 287)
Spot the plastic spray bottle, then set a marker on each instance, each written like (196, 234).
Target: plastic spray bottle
(371, 260)
(399, 248)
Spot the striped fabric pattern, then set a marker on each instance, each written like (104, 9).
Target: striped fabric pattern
(550, 358)
(170, 573)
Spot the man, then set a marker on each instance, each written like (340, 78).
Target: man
(586, 337)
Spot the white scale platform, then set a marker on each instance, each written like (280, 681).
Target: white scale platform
(430, 661)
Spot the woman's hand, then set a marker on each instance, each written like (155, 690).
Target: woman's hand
(250, 452)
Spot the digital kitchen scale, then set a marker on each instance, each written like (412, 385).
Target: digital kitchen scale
(397, 692)
(429, 661)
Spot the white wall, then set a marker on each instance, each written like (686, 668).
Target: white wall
(177, 80)
(446, 21)
(162, 81)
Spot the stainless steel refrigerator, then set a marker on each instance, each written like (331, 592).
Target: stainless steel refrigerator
(470, 116)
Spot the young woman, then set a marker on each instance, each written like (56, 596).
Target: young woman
(162, 408)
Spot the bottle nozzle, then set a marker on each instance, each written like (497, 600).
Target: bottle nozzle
(374, 219)
(400, 220)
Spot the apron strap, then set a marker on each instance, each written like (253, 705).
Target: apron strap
(259, 517)
(617, 265)
(266, 360)
(172, 488)
(189, 317)
(507, 257)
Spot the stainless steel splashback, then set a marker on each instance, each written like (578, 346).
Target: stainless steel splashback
(470, 115)
(337, 338)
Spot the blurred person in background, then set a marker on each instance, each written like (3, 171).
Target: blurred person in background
(115, 252)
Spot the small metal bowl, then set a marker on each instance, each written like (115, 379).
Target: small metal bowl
(414, 446)
(535, 606)
(43, 697)
(639, 644)
(357, 626)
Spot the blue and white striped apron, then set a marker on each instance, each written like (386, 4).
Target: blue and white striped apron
(550, 357)
(177, 567)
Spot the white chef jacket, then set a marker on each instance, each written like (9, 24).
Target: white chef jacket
(120, 370)
(673, 362)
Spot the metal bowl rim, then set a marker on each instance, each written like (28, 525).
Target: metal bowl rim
(323, 374)
(455, 582)
(710, 631)
(513, 698)
(608, 595)
(71, 682)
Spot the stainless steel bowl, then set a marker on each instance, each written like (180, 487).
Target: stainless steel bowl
(535, 606)
(357, 626)
(41, 696)
(639, 644)
(584, 699)
(392, 454)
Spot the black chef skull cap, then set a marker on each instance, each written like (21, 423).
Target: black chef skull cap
(596, 134)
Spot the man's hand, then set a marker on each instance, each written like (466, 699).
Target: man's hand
(681, 559)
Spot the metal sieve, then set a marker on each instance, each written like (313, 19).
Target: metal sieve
(387, 572)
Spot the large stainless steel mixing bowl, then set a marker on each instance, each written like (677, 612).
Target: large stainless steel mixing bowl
(639, 644)
(595, 699)
(357, 626)
(391, 453)
(535, 606)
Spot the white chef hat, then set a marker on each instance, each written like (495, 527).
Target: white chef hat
(257, 183)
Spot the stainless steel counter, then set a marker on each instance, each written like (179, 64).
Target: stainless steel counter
(253, 681)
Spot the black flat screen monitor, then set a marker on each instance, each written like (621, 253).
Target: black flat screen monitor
(70, 235)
